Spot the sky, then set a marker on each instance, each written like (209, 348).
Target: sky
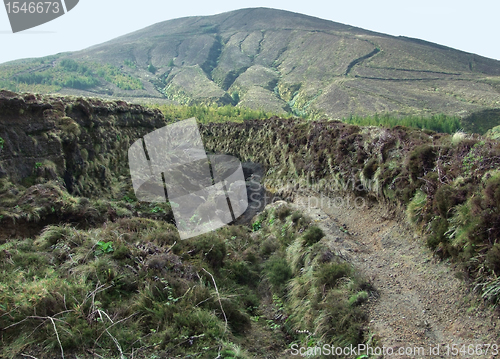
(470, 26)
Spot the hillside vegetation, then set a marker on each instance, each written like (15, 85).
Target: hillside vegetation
(437, 123)
(68, 73)
(206, 114)
(134, 289)
(271, 60)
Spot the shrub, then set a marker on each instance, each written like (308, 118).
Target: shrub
(69, 64)
(312, 235)
(152, 68)
(282, 212)
(238, 320)
(241, 273)
(493, 258)
(438, 123)
(211, 248)
(269, 246)
(421, 159)
(207, 114)
(490, 206)
(446, 198)
(278, 271)
(130, 63)
(370, 168)
(121, 252)
(296, 216)
(235, 97)
(481, 121)
(436, 238)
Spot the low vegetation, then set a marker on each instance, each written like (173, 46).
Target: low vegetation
(482, 121)
(206, 114)
(53, 75)
(134, 289)
(437, 123)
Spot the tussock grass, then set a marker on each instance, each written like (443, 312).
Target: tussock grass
(65, 276)
(325, 298)
(322, 294)
(415, 209)
(133, 287)
(458, 137)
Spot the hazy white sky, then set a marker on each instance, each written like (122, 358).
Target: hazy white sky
(471, 26)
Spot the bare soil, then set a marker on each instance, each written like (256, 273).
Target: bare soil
(421, 301)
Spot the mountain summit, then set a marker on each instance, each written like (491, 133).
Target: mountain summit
(273, 60)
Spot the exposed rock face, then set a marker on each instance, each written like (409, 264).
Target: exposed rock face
(84, 142)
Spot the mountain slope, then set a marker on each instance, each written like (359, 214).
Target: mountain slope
(275, 60)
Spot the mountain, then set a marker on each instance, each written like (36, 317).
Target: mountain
(273, 60)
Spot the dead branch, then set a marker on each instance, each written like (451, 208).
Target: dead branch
(218, 297)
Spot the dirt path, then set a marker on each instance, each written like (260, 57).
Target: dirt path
(421, 302)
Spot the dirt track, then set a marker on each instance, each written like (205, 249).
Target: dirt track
(421, 303)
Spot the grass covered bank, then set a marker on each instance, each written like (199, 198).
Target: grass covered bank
(132, 288)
